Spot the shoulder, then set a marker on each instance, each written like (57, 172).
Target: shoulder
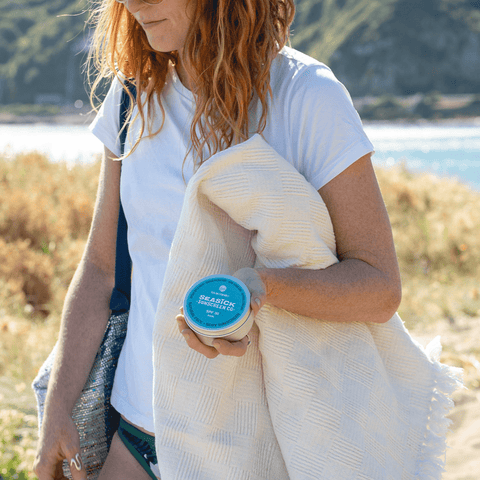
(321, 132)
(292, 70)
(115, 90)
(303, 87)
(106, 123)
(111, 102)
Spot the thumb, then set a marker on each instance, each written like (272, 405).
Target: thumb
(253, 281)
(256, 302)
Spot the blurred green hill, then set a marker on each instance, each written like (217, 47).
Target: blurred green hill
(42, 47)
(419, 46)
(375, 47)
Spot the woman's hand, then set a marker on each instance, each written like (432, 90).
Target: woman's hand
(58, 441)
(251, 278)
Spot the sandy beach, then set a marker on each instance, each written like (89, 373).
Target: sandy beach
(460, 349)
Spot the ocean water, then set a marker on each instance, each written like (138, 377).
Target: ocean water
(444, 149)
(451, 149)
(70, 143)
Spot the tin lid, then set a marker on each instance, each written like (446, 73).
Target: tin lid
(216, 303)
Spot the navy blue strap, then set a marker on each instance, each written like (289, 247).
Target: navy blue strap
(120, 299)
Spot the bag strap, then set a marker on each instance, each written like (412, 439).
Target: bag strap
(120, 299)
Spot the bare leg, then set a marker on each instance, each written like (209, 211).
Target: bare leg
(121, 464)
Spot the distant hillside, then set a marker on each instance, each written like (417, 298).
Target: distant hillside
(421, 46)
(42, 48)
(322, 26)
(375, 47)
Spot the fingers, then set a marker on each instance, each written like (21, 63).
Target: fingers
(48, 470)
(75, 463)
(192, 340)
(56, 447)
(234, 349)
(59, 472)
(220, 346)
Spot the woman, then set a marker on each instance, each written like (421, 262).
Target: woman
(208, 76)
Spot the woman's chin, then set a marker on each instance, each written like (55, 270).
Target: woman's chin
(159, 47)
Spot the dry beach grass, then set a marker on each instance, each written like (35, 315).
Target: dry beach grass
(45, 213)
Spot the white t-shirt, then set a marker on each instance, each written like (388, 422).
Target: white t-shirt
(311, 123)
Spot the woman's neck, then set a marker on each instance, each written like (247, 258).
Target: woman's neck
(183, 75)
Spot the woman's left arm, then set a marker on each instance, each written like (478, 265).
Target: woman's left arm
(365, 285)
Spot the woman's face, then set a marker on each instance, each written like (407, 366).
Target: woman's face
(166, 24)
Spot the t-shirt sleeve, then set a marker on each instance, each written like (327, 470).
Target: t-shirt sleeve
(326, 130)
(106, 124)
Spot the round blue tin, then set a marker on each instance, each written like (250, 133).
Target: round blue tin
(218, 306)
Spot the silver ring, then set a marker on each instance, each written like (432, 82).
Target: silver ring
(76, 462)
(249, 341)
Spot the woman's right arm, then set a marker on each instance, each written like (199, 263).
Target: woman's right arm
(84, 318)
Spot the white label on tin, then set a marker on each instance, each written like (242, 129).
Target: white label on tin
(218, 301)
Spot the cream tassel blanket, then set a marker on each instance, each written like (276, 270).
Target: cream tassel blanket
(311, 399)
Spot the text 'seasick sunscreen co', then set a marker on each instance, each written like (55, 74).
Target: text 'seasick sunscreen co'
(218, 306)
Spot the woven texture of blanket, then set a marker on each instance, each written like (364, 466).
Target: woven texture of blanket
(310, 399)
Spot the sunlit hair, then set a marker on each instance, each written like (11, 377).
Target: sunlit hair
(228, 52)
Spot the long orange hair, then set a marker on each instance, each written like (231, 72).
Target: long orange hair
(228, 52)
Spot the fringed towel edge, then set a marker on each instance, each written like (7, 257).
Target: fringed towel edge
(447, 379)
